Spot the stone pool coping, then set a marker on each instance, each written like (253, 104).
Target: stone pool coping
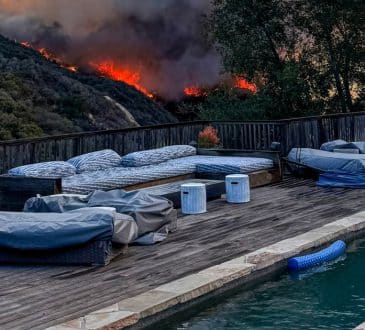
(129, 312)
(360, 326)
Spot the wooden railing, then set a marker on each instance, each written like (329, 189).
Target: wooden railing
(255, 135)
(311, 132)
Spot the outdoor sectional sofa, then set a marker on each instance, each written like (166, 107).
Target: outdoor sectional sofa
(333, 156)
(68, 229)
(106, 170)
(337, 164)
(327, 161)
(83, 230)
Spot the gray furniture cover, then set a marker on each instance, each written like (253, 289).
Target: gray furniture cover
(334, 144)
(328, 161)
(125, 228)
(56, 203)
(342, 144)
(149, 211)
(150, 214)
(44, 231)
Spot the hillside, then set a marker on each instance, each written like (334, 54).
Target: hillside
(38, 97)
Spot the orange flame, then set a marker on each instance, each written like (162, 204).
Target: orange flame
(105, 68)
(194, 91)
(49, 56)
(242, 83)
(26, 44)
(133, 78)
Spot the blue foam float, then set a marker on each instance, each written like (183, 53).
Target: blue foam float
(314, 259)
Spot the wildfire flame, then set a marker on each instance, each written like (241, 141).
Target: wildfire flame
(242, 83)
(49, 56)
(130, 77)
(104, 68)
(26, 44)
(237, 82)
(194, 91)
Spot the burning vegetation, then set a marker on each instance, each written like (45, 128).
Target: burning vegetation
(194, 91)
(132, 77)
(242, 83)
(40, 97)
(299, 59)
(129, 76)
(50, 56)
(157, 47)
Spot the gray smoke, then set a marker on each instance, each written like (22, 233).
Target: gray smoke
(160, 38)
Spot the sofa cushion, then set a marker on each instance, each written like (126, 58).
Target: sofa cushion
(222, 164)
(328, 161)
(156, 156)
(342, 144)
(55, 169)
(232, 165)
(119, 177)
(331, 145)
(94, 161)
(360, 145)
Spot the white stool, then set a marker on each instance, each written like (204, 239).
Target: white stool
(193, 198)
(237, 188)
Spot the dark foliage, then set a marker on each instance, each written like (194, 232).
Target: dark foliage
(307, 57)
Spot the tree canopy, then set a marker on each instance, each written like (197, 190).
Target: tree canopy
(306, 56)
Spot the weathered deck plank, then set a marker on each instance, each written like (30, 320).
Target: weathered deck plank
(38, 297)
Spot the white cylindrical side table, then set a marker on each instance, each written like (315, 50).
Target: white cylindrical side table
(193, 198)
(237, 188)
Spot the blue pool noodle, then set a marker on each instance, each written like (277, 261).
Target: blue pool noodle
(330, 253)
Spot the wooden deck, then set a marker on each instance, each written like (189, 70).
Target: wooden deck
(38, 297)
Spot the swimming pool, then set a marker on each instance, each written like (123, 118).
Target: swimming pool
(328, 297)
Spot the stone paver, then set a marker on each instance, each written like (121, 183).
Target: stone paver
(150, 302)
(360, 326)
(111, 320)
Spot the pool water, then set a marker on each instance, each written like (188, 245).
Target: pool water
(328, 297)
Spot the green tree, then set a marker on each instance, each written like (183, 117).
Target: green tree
(223, 104)
(254, 40)
(304, 55)
(335, 41)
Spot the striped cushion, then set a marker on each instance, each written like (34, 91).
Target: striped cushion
(233, 165)
(156, 156)
(223, 164)
(53, 170)
(119, 177)
(94, 161)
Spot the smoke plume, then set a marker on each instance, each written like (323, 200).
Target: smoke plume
(160, 39)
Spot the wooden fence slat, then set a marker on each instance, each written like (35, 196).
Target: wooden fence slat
(308, 132)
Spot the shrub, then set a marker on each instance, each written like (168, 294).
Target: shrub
(208, 138)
